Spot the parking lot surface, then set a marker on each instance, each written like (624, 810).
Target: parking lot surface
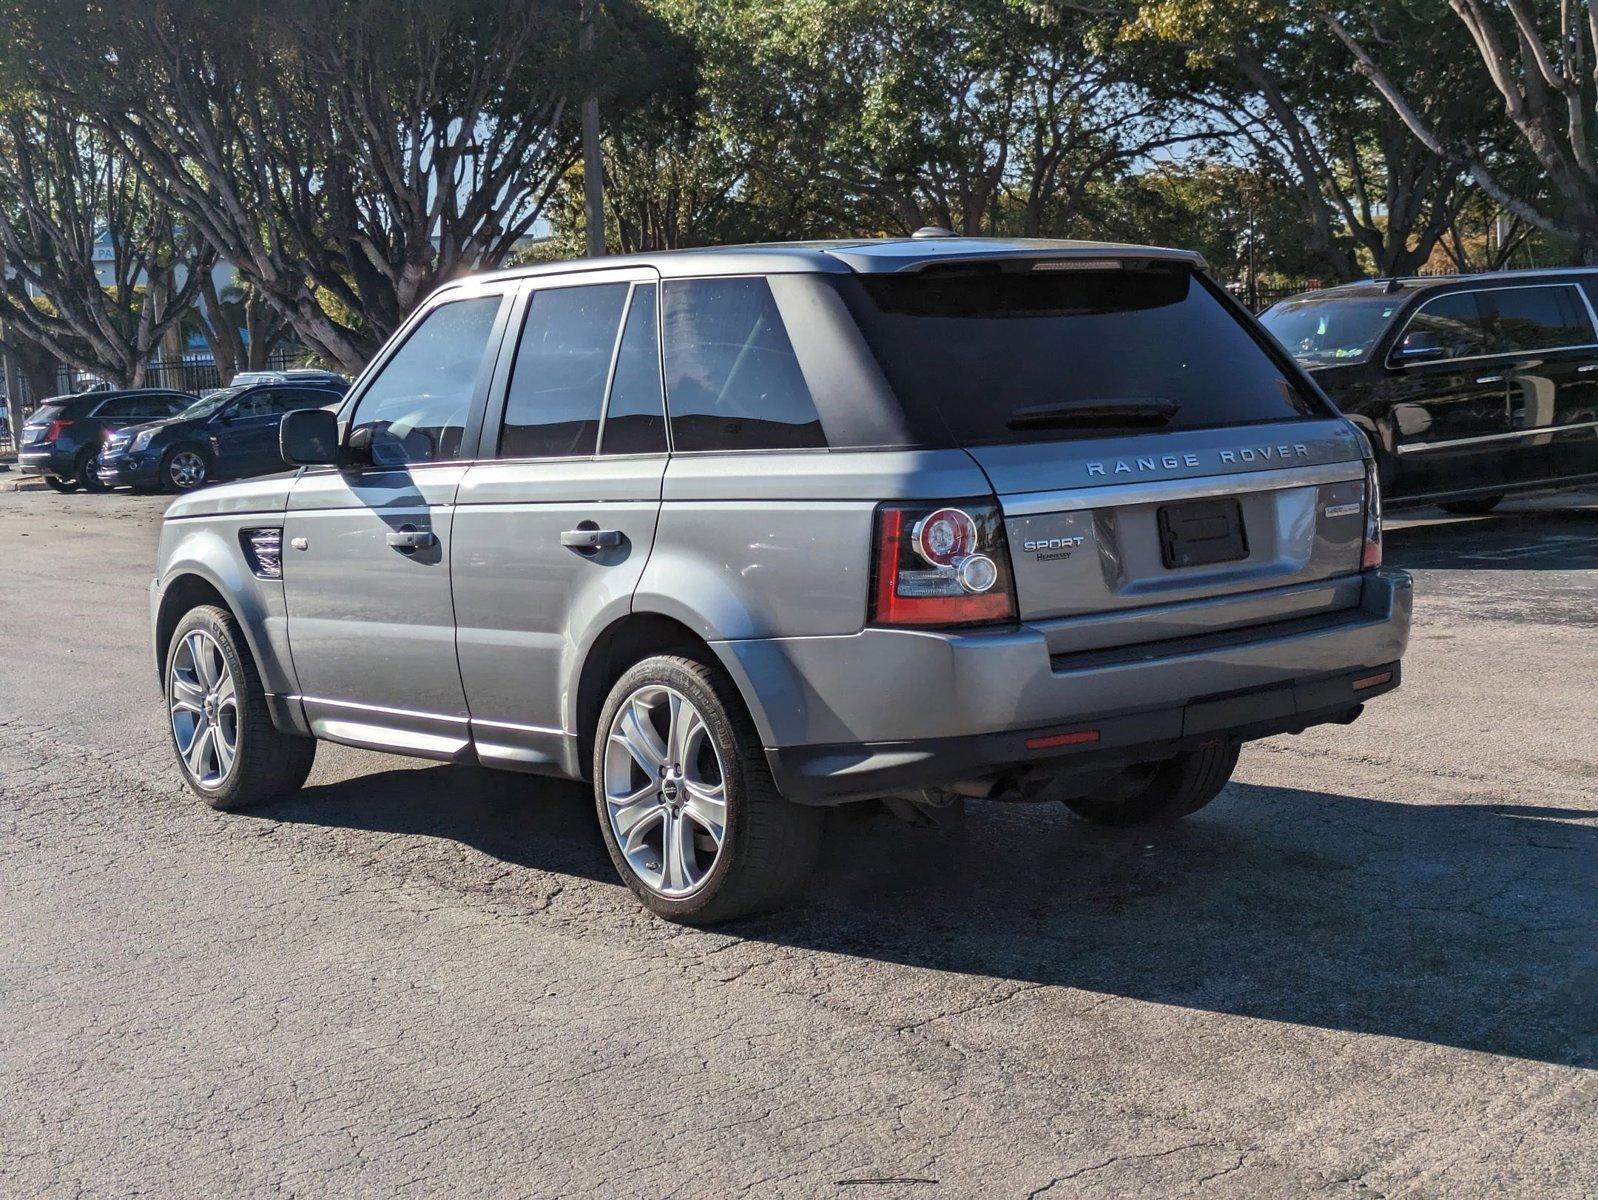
(1369, 969)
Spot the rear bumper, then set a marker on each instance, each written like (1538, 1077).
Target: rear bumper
(41, 462)
(885, 709)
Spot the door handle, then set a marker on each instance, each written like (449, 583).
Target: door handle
(1586, 367)
(1490, 379)
(407, 539)
(588, 538)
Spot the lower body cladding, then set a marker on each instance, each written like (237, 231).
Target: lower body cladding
(39, 462)
(889, 711)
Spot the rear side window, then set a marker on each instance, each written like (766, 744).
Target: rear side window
(732, 380)
(1536, 318)
(309, 398)
(416, 408)
(257, 404)
(635, 419)
(1017, 355)
(1451, 326)
(557, 386)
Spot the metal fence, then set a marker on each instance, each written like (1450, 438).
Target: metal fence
(190, 374)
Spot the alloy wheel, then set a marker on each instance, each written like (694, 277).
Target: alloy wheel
(665, 791)
(186, 470)
(204, 703)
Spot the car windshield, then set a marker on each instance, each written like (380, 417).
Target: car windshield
(1320, 330)
(1020, 355)
(209, 403)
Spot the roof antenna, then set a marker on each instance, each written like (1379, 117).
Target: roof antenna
(932, 231)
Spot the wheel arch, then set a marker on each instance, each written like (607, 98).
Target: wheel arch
(628, 640)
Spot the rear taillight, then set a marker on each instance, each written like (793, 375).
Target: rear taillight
(1371, 555)
(941, 564)
(55, 429)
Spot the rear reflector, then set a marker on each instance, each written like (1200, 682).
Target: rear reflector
(1371, 681)
(1050, 741)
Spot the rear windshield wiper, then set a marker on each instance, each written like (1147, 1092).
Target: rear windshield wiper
(1129, 413)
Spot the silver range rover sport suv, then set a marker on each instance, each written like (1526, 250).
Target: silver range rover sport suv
(738, 534)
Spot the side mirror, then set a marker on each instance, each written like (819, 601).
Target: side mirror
(308, 437)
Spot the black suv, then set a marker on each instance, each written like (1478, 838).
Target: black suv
(62, 437)
(1471, 387)
(230, 434)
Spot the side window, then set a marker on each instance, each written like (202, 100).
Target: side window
(127, 406)
(307, 398)
(170, 406)
(557, 385)
(416, 408)
(1537, 318)
(256, 404)
(635, 418)
(732, 381)
(1453, 324)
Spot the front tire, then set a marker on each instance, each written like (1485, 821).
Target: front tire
(230, 753)
(1479, 507)
(686, 802)
(184, 469)
(87, 479)
(1163, 792)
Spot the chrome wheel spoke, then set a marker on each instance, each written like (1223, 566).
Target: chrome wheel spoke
(708, 807)
(196, 753)
(677, 844)
(686, 727)
(225, 750)
(634, 822)
(639, 734)
(186, 697)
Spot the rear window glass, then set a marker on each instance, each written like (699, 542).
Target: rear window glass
(1322, 330)
(1009, 356)
(732, 380)
(45, 413)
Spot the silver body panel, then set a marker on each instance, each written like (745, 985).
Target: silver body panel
(475, 646)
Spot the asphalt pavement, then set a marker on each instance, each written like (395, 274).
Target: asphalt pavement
(1369, 969)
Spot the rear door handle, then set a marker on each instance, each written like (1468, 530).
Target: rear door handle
(1490, 379)
(588, 537)
(1585, 367)
(408, 539)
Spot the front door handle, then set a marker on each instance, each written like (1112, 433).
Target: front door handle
(1586, 367)
(407, 539)
(589, 538)
(1489, 379)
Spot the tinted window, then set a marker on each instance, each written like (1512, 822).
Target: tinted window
(1536, 318)
(1004, 356)
(635, 419)
(309, 398)
(416, 408)
(256, 404)
(557, 386)
(1453, 325)
(1331, 329)
(732, 381)
(135, 406)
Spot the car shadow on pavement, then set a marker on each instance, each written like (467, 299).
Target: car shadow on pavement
(1554, 540)
(521, 820)
(1470, 925)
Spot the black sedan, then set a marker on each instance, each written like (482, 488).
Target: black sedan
(230, 434)
(1471, 387)
(64, 434)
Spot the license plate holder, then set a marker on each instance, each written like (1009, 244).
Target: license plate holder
(1200, 533)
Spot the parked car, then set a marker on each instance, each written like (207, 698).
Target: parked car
(1471, 387)
(63, 436)
(291, 375)
(231, 433)
(902, 519)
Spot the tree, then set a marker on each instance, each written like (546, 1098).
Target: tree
(70, 208)
(1539, 58)
(346, 157)
(1289, 98)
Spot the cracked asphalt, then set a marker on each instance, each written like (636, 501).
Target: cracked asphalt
(1369, 969)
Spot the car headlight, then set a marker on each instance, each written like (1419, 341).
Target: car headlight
(141, 440)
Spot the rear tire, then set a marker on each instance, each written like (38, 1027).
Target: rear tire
(1163, 792)
(56, 483)
(1479, 507)
(211, 683)
(676, 785)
